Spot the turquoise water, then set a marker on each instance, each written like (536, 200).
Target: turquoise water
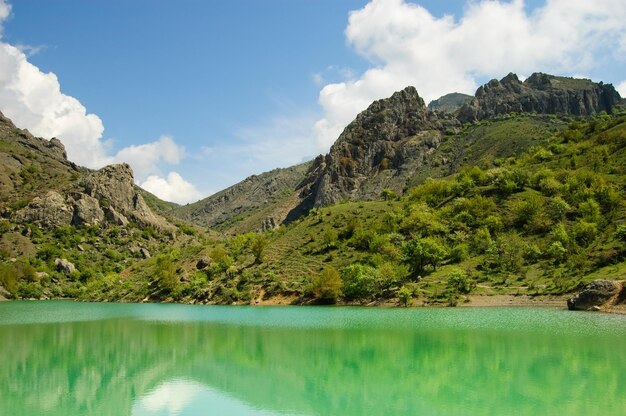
(66, 358)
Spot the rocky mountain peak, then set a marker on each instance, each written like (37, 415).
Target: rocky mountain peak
(380, 149)
(540, 93)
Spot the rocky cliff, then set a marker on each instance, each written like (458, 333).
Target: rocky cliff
(380, 149)
(389, 142)
(40, 186)
(540, 93)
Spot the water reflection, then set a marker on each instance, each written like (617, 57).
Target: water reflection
(124, 366)
(186, 397)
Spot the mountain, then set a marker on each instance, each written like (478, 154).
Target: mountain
(449, 103)
(62, 225)
(518, 192)
(397, 143)
(540, 93)
(390, 142)
(258, 202)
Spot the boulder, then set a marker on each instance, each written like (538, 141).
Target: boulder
(595, 295)
(64, 266)
(87, 211)
(269, 224)
(203, 263)
(114, 217)
(144, 253)
(51, 210)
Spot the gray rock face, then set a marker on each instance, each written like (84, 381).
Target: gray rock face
(540, 93)
(594, 295)
(87, 211)
(144, 253)
(113, 185)
(380, 149)
(114, 217)
(64, 266)
(51, 210)
(449, 103)
(269, 223)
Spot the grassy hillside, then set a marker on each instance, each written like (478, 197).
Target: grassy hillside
(538, 221)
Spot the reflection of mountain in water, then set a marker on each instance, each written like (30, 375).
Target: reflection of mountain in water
(108, 367)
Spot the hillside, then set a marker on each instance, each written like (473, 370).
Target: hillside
(62, 225)
(258, 202)
(410, 206)
(539, 223)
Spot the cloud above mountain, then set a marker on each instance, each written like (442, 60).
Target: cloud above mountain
(33, 100)
(407, 45)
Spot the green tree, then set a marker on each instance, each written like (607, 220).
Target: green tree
(326, 286)
(459, 281)
(258, 244)
(419, 253)
(165, 274)
(359, 281)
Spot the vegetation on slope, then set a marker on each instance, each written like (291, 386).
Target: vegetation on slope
(541, 218)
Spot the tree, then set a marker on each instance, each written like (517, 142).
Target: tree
(258, 244)
(460, 282)
(359, 281)
(326, 286)
(421, 252)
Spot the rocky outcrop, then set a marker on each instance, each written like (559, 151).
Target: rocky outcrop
(449, 103)
(540, 93)
(87, 211)
(381, 148)
(596, 295)
(113, 186)
(51, 210)
(64, 266)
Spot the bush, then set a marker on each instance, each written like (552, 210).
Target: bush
(405, 295)
(359, 281)
(419, 253)
(584, 232)
(165, 274)
(620, 233)
(326, 286)
(459, 281)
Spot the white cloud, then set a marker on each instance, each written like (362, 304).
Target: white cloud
(172, 188)
(5, 12)
(33, 100)
(621, 88)
(407, 45)
(146, 158)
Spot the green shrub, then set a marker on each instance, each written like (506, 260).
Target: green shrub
(419, 253)
(459, 281)
(359, 281)
(584, 232)
(326, 286)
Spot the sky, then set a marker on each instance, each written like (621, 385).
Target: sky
(197, 95)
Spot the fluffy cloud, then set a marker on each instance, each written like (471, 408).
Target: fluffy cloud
(172, 188)
(146, 158)
(33, 100)
(407, 45)
(621, 88)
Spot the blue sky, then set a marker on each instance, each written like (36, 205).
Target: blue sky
(197, 95)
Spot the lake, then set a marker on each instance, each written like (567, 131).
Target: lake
(67, 358)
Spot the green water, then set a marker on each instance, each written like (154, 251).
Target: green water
(65, 358)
